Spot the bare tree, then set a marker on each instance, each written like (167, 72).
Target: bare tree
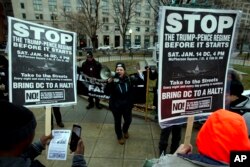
(124, 10)
(86, 20)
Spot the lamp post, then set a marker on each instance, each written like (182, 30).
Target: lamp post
(53, 15)
(130, 49)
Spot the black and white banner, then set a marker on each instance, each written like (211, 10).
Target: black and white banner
(195, 48)
(89, 86)
(42, 61)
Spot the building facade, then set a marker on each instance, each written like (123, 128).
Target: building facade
(142, 24)
(49, 12)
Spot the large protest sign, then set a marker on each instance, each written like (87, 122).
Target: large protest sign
(194, 55)
(42, 61)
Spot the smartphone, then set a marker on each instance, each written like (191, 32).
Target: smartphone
(75, 136)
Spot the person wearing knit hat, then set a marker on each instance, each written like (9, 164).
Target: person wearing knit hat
(92, 68)
(224, 131)
(120, 64)
(16, 148)
(121, 101)
(235, 101)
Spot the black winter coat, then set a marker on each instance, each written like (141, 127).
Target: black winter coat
(121, 93)
(92, 68)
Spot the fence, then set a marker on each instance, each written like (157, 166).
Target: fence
(116, 56)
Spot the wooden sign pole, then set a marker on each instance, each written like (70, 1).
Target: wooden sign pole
(189, 129)
(48, 120)
(146, 106)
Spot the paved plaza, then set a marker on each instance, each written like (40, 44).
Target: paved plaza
(101, 146)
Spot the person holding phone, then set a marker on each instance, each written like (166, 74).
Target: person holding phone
(75, 137)
(16, 147)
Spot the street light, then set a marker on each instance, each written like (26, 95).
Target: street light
(130, 50)
(53, 15)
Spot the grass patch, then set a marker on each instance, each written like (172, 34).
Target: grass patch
(246, 78)
(132, 66)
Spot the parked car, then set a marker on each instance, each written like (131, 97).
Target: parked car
(87, 48)
(104, 47)
(151, 48)
(119, 48)
(135, 47)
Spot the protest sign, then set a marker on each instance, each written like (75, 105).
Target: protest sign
(42, 61)
(90, 86)
(195, 48)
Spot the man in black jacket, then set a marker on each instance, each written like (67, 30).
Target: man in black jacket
(92, 68)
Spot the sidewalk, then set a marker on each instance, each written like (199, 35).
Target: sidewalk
(101, 146)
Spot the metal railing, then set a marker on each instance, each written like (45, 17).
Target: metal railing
(116, 56)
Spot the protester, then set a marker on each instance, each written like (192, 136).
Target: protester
(153, 75)
(92, 68)
(58, 117)
(174, 130)
(232, 74)
(16, 148)
(4, 78)
(121, 100)
(224, 131)
(235, 101)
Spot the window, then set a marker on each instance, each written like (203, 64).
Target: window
(137, 29)
(138, 8)
(52, 5)
(105, 19)
(79, 6)
(105, 7)
(137, 14)
(147, 7)
(66, 5)
(37, 4)
(147, 22)
(147, 38)
(39, 16)
(137, 21)
(22, 5)
(106, 28)
(147, 15)
(146, 41)
(137, 39)
(147, 29)
(24, 15)
(116, 28)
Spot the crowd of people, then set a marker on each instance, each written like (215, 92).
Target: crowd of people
(215, 139)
